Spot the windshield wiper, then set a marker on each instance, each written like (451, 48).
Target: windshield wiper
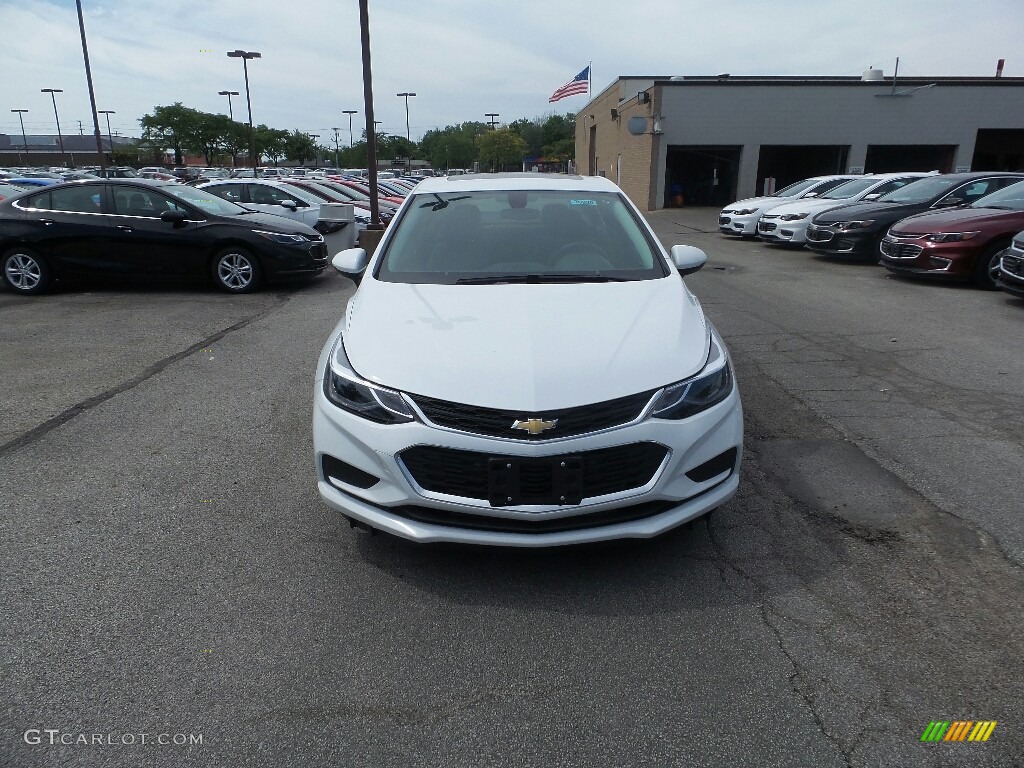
(537, 279)
(441, 202)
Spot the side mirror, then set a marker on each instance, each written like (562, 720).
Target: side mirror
(291, 205)
(688, 259)
(949, 202)
(872, 196)
(177, 218)
(351, 263)
(810, 194)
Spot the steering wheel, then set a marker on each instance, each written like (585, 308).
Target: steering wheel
(593, 256)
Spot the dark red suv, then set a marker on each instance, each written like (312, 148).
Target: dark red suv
(958, 244)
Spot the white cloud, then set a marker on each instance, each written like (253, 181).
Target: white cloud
(461, 57)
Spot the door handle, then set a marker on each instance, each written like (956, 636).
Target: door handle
(47, 222)
(123, 228)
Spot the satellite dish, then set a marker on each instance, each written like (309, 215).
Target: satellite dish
(637, 125)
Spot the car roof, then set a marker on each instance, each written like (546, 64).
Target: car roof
(483, 182)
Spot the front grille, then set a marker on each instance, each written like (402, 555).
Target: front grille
(819, 235)
(465, 473)
(767, 226)
(1013, 264)
(495, 422)
(896, 250)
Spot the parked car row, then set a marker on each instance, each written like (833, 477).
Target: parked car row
(957, 226)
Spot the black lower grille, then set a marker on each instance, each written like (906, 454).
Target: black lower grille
(1013, 264)
(896, 250)
(467, 474)
(767, 226)
(496, 422)
(819, 235)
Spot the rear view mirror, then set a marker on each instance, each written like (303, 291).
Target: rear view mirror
(687, 258)
(177, 218)
(351, 263)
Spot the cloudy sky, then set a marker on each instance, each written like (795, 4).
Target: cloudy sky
(463, 58)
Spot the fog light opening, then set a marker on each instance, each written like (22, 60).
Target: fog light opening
(723, 462)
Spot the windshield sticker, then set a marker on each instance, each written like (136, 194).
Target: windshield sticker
(583, 202)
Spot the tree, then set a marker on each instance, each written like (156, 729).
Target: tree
(172, 127)
(298, 146)
(500, 147)
(269, 142)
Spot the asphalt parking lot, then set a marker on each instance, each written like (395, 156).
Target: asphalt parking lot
(167, 566)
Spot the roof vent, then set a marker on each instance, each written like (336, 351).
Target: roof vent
(873, 75)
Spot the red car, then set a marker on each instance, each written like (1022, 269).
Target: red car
(962, 244)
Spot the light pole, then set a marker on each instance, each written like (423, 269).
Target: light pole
(60, 138)
(492, 121)
(349, 112)
(92, 96)
(245, 56)
(231, 117)
(337, 163)
(408, 137)
(24, 138)
(110, 138)
(316, 149)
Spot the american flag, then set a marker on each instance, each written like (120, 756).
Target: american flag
(579, 84)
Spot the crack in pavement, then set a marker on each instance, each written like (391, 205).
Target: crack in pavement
(87, 405)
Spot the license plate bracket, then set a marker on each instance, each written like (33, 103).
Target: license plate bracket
(515, 481)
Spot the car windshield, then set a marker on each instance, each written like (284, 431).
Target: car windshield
(1009, 198)
(849, 189)
(203, 200)
(519, 236)
(795, 189)
(920, 191)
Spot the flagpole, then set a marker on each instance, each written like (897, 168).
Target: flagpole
(590, 75)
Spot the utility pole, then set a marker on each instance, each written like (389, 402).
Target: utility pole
(492, 121)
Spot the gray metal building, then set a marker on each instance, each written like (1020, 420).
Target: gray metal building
(711, 140)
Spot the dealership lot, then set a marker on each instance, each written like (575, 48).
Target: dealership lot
(168, 566)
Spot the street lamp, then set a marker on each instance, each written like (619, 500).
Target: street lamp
(231, 117)
(24, 138)
(245, 56)
(406, 95)
(316, 149)
(492, 115)
(349, 112)
(92, 96)
(60, 138)
(337, 164)
(110, 138)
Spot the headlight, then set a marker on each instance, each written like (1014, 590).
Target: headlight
(691, 396)
(793, 216)
(281, 237)
(846, 226)
(950, 237)
(745, 211)
(347, 390)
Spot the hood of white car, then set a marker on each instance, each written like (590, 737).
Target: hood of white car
(755, 202)
(524, 346)
(808, 205)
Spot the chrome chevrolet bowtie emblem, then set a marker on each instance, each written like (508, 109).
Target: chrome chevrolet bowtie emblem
(534, 426)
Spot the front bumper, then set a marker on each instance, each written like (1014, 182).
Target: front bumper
(743, 226)
(775, 230)
(917, 256)
(283, 262)
(390, 498)
(827, 240)
(1011, 272)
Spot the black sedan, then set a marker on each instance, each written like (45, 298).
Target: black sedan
(138, 228)
(858, 229)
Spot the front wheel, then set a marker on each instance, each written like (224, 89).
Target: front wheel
(236, 271)
(986, 268)
(25, 272)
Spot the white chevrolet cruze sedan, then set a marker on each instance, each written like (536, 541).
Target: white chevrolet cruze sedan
(523, 365)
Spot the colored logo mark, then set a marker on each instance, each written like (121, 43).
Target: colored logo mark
(958, 730)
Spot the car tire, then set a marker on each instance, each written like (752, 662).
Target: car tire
(24, 271)
(986, 268)
(236, 270)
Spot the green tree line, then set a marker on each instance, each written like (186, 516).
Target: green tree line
(220, 140)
